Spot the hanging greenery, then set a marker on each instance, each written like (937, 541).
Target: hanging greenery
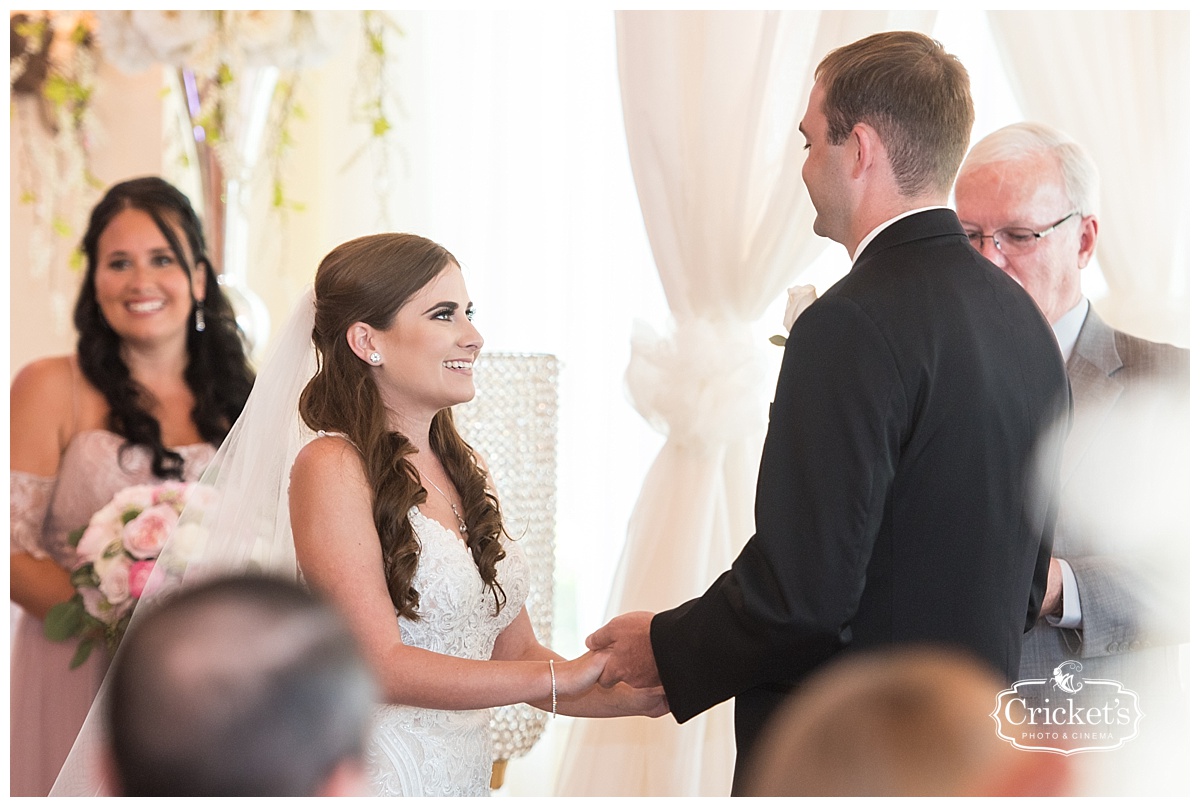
(376, 104)
(52, 78)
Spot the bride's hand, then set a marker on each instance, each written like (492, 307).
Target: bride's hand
(651, 701)
(578, 675)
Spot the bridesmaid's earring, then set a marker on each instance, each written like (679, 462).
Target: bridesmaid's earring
(375, 358)
(200, 318)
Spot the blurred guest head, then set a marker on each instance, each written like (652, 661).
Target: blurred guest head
(241, 686)
(899, 722)
(1028, 197)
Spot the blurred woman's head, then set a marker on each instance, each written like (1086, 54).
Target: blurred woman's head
(149, 282)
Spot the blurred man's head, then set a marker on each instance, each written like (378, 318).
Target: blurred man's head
(899, 722)
(243, 686)
(1028, 197)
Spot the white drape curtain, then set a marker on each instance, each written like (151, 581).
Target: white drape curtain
(711, 103)
(1086, 73)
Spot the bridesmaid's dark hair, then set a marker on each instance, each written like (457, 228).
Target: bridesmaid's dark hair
(367, 280)
(218, 372)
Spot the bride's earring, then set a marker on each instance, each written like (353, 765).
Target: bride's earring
(374, 358)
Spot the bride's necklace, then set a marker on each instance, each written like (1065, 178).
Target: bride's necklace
(462, 525)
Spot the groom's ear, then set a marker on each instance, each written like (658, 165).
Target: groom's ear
(361, 338)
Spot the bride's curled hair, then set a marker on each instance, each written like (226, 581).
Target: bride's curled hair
(367, 280)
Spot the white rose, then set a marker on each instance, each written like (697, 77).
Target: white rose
(799, 298)
(187, 540)
(101, 538)
(114, 578)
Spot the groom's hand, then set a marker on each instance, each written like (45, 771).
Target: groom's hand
(630, 656)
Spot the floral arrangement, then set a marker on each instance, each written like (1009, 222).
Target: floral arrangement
(116, 554)
(219, 48)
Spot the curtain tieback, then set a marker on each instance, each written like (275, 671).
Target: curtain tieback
(702, 384)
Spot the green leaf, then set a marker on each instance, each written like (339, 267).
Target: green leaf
(65, 620)
(778, 340)
(129, 515)
(74, 535)
(380, 127)
(81, 653)
(85, 577)
(60, 227)
(76, 263)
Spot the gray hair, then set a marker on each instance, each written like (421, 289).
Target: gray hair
(1080, 178)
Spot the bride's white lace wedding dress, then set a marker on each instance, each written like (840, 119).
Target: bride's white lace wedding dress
(433, 752)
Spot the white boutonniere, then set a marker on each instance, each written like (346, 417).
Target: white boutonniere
(799, 298)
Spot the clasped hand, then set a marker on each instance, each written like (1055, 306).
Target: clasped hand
(630, 657)
(577, 679)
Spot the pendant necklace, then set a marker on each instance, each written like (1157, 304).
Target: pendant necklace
(462, 525)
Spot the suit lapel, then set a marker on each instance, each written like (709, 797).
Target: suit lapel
(1093, 388)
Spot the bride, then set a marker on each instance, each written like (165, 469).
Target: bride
(393, 517)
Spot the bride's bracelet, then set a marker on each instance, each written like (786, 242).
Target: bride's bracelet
(553, 692)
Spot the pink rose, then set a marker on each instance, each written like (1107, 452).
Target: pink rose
(172, 493)
(139, 575)
(95, 604)
(135, 497)
(145, 535)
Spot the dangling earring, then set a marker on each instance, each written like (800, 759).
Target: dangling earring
(374, 358)
(200, 316)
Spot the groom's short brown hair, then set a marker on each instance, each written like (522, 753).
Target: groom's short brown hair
(912, 92)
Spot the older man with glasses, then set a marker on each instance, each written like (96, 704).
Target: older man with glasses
(1117, 597)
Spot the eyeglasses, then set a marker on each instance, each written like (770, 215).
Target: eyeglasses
(1014, 240)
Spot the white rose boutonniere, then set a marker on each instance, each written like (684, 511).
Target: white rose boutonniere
(799, 298)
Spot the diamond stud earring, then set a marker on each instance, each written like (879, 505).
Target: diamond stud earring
(374, 358)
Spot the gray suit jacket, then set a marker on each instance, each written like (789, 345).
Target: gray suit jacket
(1123, 514)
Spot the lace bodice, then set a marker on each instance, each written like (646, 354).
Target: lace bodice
(429, 752)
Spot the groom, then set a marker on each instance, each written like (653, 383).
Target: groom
(896, 497)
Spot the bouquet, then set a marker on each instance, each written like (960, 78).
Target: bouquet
(116, 553)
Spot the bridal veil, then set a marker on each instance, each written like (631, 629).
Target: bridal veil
(236, 520)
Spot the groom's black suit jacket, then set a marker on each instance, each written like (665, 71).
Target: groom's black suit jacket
(893, 500)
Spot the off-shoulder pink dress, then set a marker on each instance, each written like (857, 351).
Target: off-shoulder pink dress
(48, 700)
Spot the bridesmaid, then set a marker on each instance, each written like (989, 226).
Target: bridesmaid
(158, 377)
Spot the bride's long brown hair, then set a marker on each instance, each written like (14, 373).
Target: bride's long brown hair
(367, 280)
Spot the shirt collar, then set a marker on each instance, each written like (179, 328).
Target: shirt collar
(863, 244)
(1066, 330)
